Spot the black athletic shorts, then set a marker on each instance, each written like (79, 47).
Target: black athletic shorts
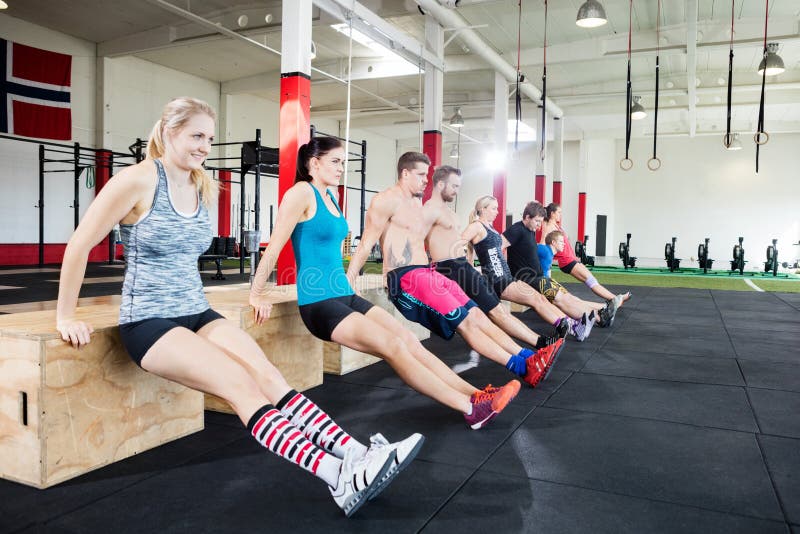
(500, 284)
(473, 283)
(568, 267)
(321, 318)
(544, 285)
(137, 337)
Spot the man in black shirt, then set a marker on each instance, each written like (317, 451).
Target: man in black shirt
(523, 261)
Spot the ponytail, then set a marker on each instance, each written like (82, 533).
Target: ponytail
(315, 148)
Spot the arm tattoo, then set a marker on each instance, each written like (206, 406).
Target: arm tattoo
(395, 261)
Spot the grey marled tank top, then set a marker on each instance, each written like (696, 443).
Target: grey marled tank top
(161, 250)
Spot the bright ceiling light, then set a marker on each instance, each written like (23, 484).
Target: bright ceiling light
(3, 5)
(591, 15)
(526, 133)
(454, 152)
(637, 110)
(773, 61)
(403, 66)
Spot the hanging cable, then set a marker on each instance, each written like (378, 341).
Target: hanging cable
(518, 92)
(347, 117)
(761, 137)
(728, 139)
(543, 142)
(654, 163)
(626, 163)
(420, 99)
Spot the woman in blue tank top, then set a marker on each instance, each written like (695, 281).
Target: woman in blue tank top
(330, 308)
(168, 328)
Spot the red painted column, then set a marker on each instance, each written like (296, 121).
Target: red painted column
(557, 192)
(539, 192)
(499, 191)
(224, 204)
(340, 195)
(102, 175)
(294, 131)
(432, 147)
(581, 216)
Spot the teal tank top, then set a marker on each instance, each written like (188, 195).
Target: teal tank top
(317, 246)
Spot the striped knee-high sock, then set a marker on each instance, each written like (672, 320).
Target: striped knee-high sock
(317, 425)
(273, 431)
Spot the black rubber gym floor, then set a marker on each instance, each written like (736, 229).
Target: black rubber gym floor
(682, 417)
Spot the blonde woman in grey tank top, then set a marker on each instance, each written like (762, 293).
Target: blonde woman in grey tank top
(168, 328)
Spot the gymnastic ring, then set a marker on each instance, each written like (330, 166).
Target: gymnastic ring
(626, 164)
(759, 135)
(653, 164)
(727, 140)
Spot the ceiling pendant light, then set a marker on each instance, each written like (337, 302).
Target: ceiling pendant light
(591, 15)
(457, 121)
(773, 61)
(454, 152)
(637, 110)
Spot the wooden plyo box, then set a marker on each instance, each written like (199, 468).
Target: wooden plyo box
(66, 411)
(340, 360)
(283, 337)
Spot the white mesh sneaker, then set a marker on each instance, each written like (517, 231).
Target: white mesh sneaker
(405, 450)
(358, 476)
(583, 327)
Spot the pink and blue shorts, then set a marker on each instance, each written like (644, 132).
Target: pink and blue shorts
(426, 297)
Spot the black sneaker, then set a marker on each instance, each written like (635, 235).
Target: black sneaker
(605, 316)
(562, 328)
(544, 341)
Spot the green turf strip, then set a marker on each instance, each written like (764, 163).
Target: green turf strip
(782, 285)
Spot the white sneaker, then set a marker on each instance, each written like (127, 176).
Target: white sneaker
(583, 327)
(357, 477)
(405, 450)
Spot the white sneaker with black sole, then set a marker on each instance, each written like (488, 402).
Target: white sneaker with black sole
(359, 476)
(405, 450)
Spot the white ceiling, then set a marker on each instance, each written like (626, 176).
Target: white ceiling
(586, 68)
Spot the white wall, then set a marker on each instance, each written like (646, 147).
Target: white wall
(597, 162)
(703, 190)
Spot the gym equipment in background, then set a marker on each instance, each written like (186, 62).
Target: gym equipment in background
(625, 254)
(772, 258)
(738, 261)
(702, 256)
(669, 254)
(580, 251)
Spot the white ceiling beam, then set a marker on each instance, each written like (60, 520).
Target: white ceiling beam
(451, 19)
(691, 62)
(369, 23)
(748, 35)
(187, 33)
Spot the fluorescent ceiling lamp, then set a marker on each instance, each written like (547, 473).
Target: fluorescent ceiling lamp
(401, 66)
(526, 133)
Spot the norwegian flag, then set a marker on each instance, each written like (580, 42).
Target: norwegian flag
(35, 92)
